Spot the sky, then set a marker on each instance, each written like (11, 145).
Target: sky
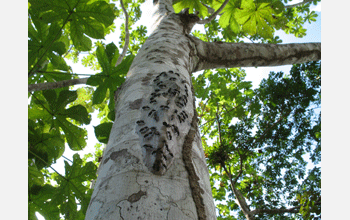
(253, 74)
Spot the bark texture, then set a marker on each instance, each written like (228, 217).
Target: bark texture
(154, 166)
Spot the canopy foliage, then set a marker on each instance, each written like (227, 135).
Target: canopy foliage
(260, 141)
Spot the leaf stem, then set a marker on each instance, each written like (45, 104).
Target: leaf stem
(127, 35)
(211, 17)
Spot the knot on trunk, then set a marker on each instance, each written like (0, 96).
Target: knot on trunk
(188, 20)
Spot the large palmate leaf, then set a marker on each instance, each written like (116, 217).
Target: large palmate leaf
(64, 198)
(111, 77)
(257, 18)
(50, 24)
(228, 15)
(40, 201)
(52, 110)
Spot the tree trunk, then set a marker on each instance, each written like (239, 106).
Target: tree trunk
(153, 166)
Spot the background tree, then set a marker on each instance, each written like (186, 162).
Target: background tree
(59, 29)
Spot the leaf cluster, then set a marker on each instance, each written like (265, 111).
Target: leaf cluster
(56, 118)
(263, 139)
(53, 201)
(258, 20)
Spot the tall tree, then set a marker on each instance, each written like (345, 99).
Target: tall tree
(153, 166)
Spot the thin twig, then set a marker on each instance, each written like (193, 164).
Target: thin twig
(37, 156)
(248, 38)
(211, 17)
(218, 121)
(240, 170)
(67, 159)
(127, 35)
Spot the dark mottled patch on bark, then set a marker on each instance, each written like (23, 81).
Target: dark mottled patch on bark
(174, 61)
(121, 155)
(159, 61)
(145, 80)
(135, 104)
(179, 53)
(136, 196)
(184, 47)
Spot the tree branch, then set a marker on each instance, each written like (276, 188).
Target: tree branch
(210, 10)
(127, 35)
(294, 209)
(240, 200)
(211, 17)
(212, 55)
(276, 211)
(55, 85)
(297, 4)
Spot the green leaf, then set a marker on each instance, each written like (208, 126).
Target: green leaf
(46, 145)
(66, 97)
(50, 11)
(123, 68)
(75, 176)
(75, 135)
(235, 27)
(103, 59)
(80, 41)
(112, 53)
(192, 5)
(42, 202)
(99, 10)
(278, 6)
(99, 94)
(35, 177)
(102, 132)
(93, 28)
(95, 80)
(78, 113)
(71, 191)
(58, 62)
(59, 47)
(50, 96)
(224, 19)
